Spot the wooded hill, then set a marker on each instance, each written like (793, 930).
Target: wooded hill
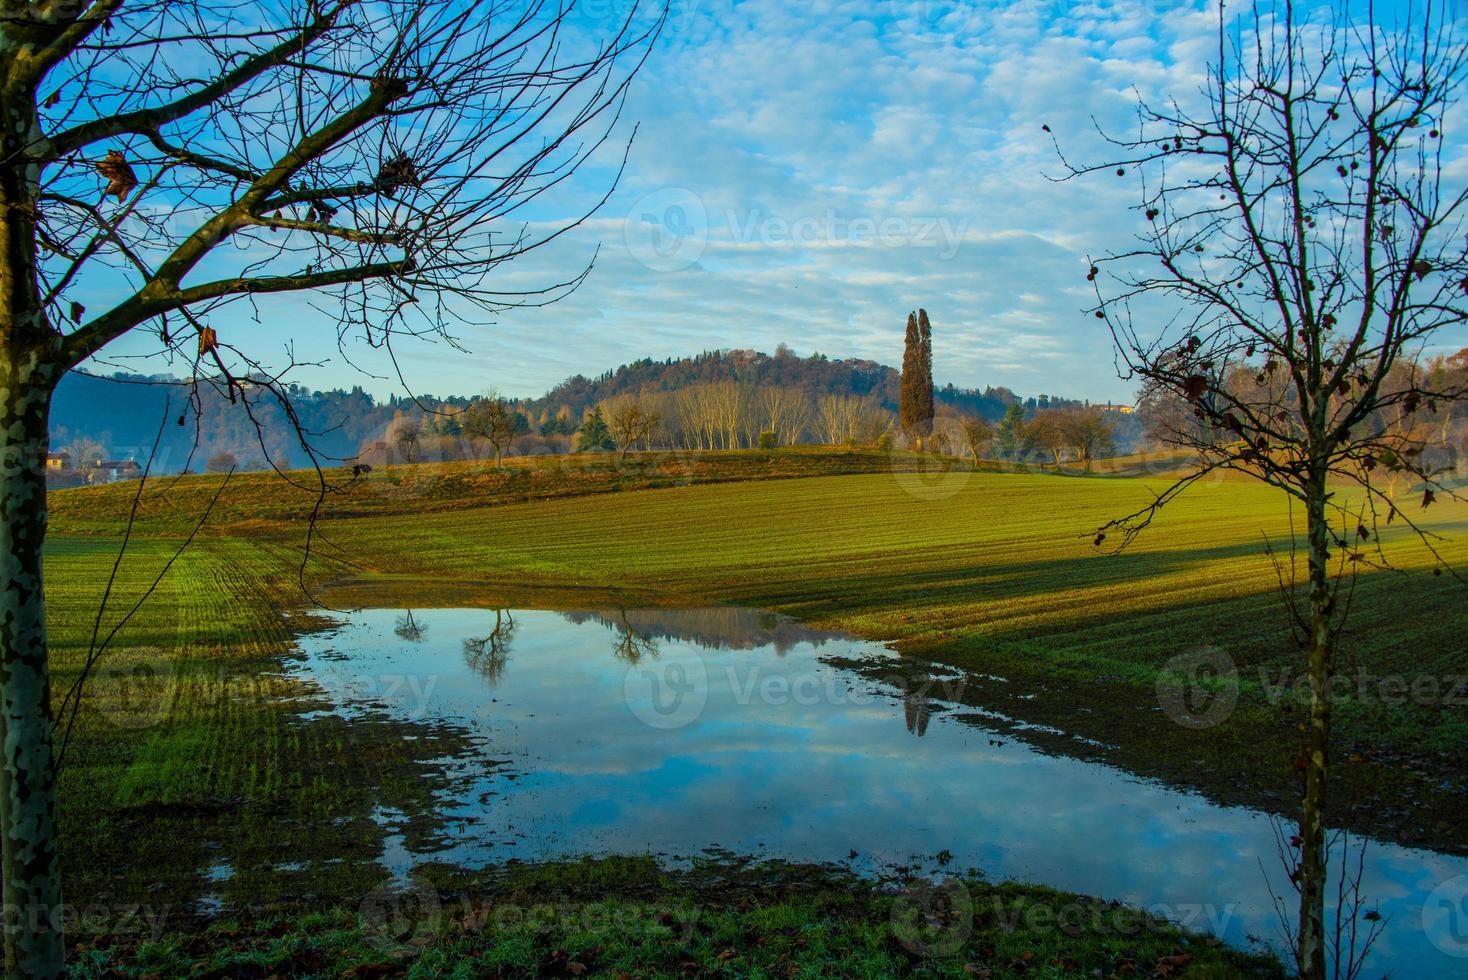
(123, 412)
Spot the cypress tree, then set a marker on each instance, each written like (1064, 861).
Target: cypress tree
(925, 405)
(908, 407)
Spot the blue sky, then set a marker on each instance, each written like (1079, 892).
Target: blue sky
(807, 173)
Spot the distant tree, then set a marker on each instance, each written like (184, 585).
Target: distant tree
(836, 419)
(1088, 431)
(783, 411)
(594, 436)
(630, 420)
(768, 439)
(222, 463)
(1046, 432)
(404, 434)
(1305, 234)
(926, 403)
(977, 434)
(1009, 434)
(444, 422)
(85, 452)
(915, 403)
(870, 422)
(495, 421)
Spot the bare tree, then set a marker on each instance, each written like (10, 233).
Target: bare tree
(224, 462)
(699, 414)
(1047, 431)
(86, 452)
(1303, 227)
(783, 411)
(870, 422)
(1088, 432)
(728, 402)
(495, 421)
(977, 433)
(630, 420)
(181, 159)
(836, 418)
(405, 433)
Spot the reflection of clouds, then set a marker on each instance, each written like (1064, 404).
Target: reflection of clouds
(812, 781)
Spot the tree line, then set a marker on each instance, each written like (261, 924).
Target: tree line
(727, 415)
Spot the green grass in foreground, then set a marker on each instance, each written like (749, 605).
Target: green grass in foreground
(991, 571)
(628, 917)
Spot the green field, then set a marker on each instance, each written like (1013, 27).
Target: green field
(990, 570)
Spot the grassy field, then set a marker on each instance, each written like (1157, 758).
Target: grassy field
(990, 570)
(630, 917)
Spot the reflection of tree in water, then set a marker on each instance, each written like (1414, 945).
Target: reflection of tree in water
(716, 627)
(489, 654)
(630, 645)
(408, 628)
(915, 706)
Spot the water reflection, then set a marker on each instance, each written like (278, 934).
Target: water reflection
(405, 627)
(672, 731)
(488, 654)
(916, 712)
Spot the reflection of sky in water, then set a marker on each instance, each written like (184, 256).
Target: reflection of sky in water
(793, 757)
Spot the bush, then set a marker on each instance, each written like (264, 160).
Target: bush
(768, 440)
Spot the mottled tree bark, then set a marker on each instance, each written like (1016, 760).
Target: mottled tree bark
(32, 889)
(29, 367)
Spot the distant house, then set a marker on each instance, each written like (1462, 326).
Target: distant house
(58, 461)
(113, 470)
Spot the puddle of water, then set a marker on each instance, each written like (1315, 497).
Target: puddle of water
(674, 731)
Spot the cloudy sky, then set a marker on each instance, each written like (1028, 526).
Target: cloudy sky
(807, 173)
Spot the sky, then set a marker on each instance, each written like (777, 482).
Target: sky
(807, 173)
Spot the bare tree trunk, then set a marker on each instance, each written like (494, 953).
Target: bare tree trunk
(32, 879)
(1312, 870)
(28, 858)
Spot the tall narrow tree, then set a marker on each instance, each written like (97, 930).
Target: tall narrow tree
(915, 397)
(925, 364)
